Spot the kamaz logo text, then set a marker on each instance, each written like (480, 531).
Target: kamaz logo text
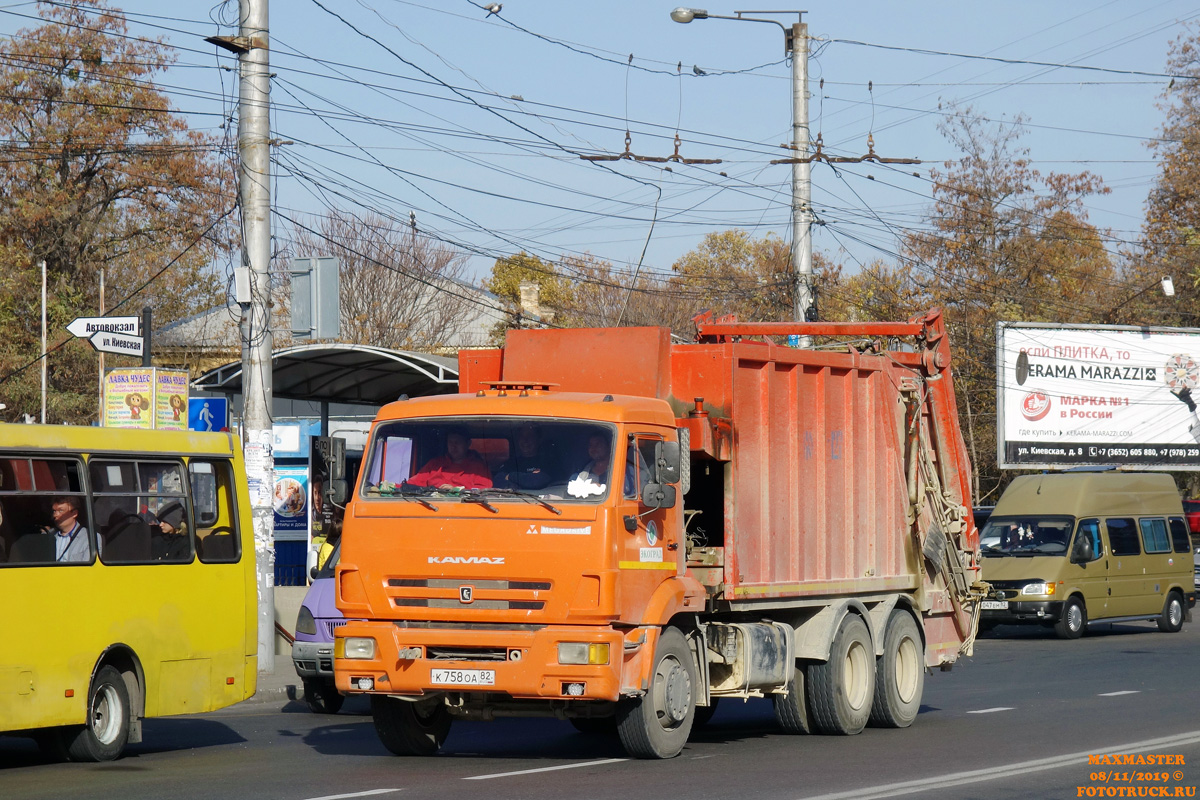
(465, 560)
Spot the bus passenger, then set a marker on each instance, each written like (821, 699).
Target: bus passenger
(70, 537)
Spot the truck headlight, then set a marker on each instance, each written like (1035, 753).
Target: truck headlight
(582, 653)
(305, 622)
(1041, 587)
(361, 647)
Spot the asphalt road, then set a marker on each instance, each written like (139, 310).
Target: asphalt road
(1018, 720)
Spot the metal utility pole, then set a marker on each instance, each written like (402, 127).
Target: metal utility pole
(254, 189)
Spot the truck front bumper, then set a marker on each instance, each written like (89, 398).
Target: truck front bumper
(522, 664)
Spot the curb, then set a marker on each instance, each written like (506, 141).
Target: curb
(276, 694)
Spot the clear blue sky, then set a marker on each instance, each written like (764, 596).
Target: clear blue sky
(403, 106)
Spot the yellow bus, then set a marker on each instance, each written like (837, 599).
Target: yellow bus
(127, 583)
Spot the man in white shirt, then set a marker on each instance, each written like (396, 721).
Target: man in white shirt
(70, 538)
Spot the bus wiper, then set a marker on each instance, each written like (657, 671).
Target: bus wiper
(528, 497)
(473, 496)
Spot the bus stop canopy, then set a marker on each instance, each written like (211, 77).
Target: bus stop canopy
(343, 373)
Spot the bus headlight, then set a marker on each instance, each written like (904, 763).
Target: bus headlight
(305, 622)
(1040, 587)
(361, 647)
(582, 653)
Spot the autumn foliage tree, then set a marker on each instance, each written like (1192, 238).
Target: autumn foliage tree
(97, 173)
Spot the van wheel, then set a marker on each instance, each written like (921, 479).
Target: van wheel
(103, 736)
(899, 674)
(791, 710)
(1171, 620)
(657, 724)
(410, 729)
(842, 687)
(322, 697)
(594, 726)
(1073, 621)
(704, 714)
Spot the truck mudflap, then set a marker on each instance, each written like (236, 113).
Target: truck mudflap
(519, 663)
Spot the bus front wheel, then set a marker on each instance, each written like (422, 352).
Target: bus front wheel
(103, 736)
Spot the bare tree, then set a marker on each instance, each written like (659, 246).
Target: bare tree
(398, 289)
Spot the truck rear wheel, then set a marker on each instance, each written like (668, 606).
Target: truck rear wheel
(841, 689)
(410, 729)
(657, 724)
(791, 711)
(899, 674)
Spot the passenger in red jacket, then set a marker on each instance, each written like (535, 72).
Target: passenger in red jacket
(460, 467)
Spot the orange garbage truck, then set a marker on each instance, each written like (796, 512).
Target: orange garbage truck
(617, 530)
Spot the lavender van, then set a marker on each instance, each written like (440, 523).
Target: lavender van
(312, 652)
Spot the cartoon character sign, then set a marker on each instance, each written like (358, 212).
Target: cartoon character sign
(177, 405)
(137, 404)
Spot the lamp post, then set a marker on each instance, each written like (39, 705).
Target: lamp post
(795, 43)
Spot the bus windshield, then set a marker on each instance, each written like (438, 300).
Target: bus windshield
(500, 457)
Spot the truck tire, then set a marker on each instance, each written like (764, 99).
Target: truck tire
(841, 689)
(410, 729)
(1073, 621)
(1171, 620)
(102, 737)
(322, 697)
(791, 711)
(657, 724)
(899, 673)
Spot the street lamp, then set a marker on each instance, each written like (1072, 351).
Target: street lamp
(796, 43)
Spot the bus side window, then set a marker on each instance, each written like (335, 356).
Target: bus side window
(217, 539)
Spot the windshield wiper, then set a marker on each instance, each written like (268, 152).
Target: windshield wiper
(473, 496)
(412, 492)
(528, 497)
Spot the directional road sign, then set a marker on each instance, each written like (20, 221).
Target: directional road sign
(85, 327)
(107, 342)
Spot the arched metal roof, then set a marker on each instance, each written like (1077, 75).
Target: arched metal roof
(343, 373)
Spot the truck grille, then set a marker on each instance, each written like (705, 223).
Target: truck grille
(491, 605)
(466, 653)
(463, 594)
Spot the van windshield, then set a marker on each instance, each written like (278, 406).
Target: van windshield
(1032, 535)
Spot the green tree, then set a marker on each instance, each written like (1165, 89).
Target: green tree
(508, 273)
(98, 173)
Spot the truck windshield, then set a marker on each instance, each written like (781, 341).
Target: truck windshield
(1033, 535)
(500, 458)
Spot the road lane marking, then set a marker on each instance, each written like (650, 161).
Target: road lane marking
(367, 793)
(953, 779)
(544, 769)
(1118, 694)
(991, 710)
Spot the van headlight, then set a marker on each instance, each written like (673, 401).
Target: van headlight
(1041, 587)
(305, 622)
(582, 653)
(360, 647)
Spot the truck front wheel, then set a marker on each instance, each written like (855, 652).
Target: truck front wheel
(410, 729)
(657, 724)
(842, 687)
(899, 674)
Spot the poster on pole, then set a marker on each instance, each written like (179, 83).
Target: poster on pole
(1098, 395)
(291, 503)
(128, 398)
(170, 399)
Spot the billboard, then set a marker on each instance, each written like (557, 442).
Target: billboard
(1081, 395)
(146, 398)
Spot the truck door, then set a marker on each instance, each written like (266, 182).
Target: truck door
(651, 551)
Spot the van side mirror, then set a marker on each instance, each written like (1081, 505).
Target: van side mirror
(337, 491)
(666, 462)
(658, 495)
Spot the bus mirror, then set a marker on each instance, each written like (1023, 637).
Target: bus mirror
(666, 456)
(658, 495)
(337, 492)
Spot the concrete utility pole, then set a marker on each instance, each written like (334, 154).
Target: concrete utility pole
(254, 130)
(802, 266)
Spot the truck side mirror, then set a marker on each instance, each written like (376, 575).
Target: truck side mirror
(658, 495)
(337, 492)
(666, 458)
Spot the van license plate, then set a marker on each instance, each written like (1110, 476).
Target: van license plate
(994, 605)
(463, 677)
